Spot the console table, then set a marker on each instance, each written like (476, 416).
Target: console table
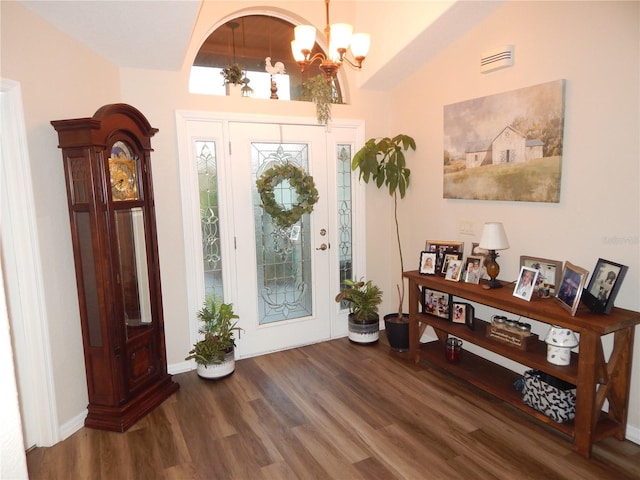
(596, 378)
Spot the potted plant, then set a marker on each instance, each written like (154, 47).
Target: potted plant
(383, 161)
(214, 354)
(233, 78)
(319, 90)
(363, 299)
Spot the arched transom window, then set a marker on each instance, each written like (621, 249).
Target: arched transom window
(247, 41)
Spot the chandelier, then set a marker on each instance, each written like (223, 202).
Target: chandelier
(340, 37)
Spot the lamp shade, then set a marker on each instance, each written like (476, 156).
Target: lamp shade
(360, 43)
(305, 37)
(493, 237)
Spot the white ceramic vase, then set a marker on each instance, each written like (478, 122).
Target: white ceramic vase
(559, 342)
(218, 370)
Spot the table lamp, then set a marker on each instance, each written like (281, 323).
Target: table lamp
(493, 238)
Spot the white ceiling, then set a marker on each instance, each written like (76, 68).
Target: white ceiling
(151, 34)
(155, 34)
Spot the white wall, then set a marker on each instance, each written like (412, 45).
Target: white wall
(59, 79)
(595, 47)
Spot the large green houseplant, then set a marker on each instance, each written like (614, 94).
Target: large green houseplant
(363, 299)
(383, 162)
(214, 353)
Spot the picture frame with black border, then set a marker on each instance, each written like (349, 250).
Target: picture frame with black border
(440, 248)
(473, 269)
(603, 286)
(427, 264)
(571, 286)
(526, 284)
(550, 273)
(463, 313)
(436, 303)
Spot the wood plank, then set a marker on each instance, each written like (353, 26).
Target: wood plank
(332, 410)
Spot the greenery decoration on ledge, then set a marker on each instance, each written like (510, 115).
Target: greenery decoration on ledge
(320, 91)
(232, 74)
(298, 179)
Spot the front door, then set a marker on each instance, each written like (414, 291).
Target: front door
(282, 280)
(282, 271)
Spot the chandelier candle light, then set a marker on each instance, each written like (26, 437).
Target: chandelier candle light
(493, 238)
(340, 37)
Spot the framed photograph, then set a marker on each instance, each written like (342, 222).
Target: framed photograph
(473, 269)
(436, 303)
(427, 263)
(476, 251)
(462, 313)
(571, 285)
(449, 257)
(441, 248)
(454, 269)
(526, 283)
(550, 273)
(603, 286)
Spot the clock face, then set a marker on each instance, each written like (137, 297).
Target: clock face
(123, 173)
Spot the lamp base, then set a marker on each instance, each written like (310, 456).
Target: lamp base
(491, 284)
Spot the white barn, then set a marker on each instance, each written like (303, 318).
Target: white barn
(509, 146)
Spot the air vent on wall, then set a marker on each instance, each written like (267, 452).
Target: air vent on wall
(496, 59)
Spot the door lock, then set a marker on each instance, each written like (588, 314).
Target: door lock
(323, 232)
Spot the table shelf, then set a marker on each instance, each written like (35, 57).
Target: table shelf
(596, 379)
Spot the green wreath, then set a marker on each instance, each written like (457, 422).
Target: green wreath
(298, 179)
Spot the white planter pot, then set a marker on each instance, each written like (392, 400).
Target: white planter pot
(218, 370)
(233, 89)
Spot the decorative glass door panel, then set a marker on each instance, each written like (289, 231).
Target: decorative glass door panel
(283, 255)
(209, 216)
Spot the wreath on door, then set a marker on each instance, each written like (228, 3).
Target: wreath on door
(299, 180)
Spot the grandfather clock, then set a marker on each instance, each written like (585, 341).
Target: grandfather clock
(110, 196)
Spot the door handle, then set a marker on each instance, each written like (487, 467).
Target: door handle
(323, 246)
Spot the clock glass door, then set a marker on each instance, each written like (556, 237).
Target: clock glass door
(123, 173)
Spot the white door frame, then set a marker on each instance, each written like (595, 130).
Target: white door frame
(24, 282)
(190, 209)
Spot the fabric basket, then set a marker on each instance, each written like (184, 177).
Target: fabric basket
(549, 395)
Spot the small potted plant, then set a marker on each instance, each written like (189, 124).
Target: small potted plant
(383, 161)
(233, 78)
(363, 299)
(214, 354)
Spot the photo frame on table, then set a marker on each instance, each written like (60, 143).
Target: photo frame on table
(462, 313)
(473, 269)
(436, 303)
(476, 251)
(571, 286)
(604, 285)
(441, 248)
(549, 276)
(454, 270)
(427, 263)
(526, 284)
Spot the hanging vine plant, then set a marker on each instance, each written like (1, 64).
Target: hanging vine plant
(323, 93)
(298, 179)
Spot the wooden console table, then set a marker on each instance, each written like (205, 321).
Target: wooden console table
(596, 379)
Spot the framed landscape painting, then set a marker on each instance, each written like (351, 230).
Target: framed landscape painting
(506, 146)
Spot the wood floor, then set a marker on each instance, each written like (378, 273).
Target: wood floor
(334, 410)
